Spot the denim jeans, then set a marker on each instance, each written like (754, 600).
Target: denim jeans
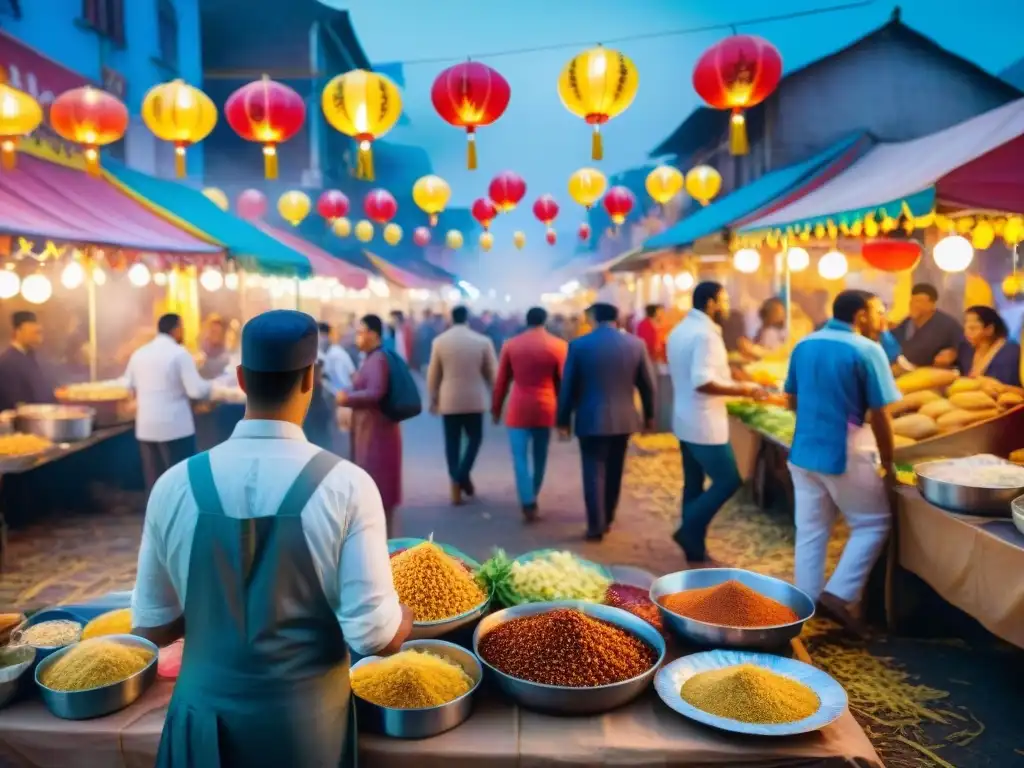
(461, 460)
(528, 483)
(700, 506)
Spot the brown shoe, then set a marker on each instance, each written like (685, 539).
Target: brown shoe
(530, 512)
(846, 614)
(456, 494)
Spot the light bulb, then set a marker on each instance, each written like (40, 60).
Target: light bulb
(160, 279)
(72, 276)
(211, 280)
(684, 281)
(798, 259)
(10, 284)
(953, 253)
(138, 275)
(746, 260)
(833, 265)
(99, 277)
(231, 281)
(36, 289)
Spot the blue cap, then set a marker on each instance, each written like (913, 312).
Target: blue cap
(280, 340)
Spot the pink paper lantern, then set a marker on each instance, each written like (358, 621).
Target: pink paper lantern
(421, 236)
(252, 204)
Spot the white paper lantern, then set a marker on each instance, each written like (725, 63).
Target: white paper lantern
(99, 277)
(10, 284)
(138, 275)
(953, 253)
(833, 265)
(211, 280)
(685, 281)
(72, 276)
(746, 260)
(36, 289)
(798, 259)
(231, 281)
(160, 279)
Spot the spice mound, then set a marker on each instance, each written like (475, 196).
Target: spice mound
(636, 601)
(751, 695)
(411, 680)
(95, 663)
(433, 584)
(730, 604)
(51, 634)
(117, 622)
(566, 648)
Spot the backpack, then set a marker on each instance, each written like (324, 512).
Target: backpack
(402, 400)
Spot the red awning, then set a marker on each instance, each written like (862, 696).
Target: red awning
(39, 199)
(323, 263)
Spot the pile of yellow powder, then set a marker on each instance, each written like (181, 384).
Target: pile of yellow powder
(117, 622)
(95, 663)
(410, 680)
(433, 584)
(750, 694)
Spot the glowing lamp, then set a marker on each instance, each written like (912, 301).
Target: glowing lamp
(519, 239)
(10, 283)
(217, 197)
(421, 236)
(486, 241)
(664, 183)
(364, 105)
(332, 205)
(833, 265)
(181, 114)
(703, 183)
(618, 203)
(453, 239)
(431, 194)
(294, 206)
(72, 276)
(392, 234)
(506, 190)
(890, 255)
(746, 260)
(364, 231)
(138, 275)
(99, 277)
(484, 211)
(36, 289)
(583, 232)
(231, 281)
(586, 186)
(685, 281)
(470, 95)
(953, 253)
(342, 227)
(551, 237)
(252, 204)
(89, 117)
(598, 85)
(268, 113)
(20, 114)
(380, 206)
(797, 259)
(211, 280)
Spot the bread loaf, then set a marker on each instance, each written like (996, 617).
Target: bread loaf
(925, 378)
(936, 408)
(912, 403)
(899, 441)
(1010, 399)
(963, 384)
(972, 401)
(915, 426)
(960, 418)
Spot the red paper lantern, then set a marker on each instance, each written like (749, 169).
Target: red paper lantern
(545, 208)
(506, 190)
(332, 204)
(891, 255)
(90, 117)
(584, 232)
(267, 112)
(380, 206)
(469, 95)
(484, 211)
(738, 73)
(551, 237)
(252, 204)
(421, 236)
(618, 202)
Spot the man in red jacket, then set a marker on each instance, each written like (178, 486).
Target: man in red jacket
(531, 363)
(651, 332)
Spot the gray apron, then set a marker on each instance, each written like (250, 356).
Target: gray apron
(264, 678)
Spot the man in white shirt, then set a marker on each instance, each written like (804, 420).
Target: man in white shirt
(271, 555)
(701, 383)
(337, 363)
(165, 380)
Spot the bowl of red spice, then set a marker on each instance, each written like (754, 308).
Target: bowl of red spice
(731, 608)
(569, 657)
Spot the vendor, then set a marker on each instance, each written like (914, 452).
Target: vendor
(22, 380)
(214, 352)
(772, 336)
(986, 349)
(273, 554)
(928, 336)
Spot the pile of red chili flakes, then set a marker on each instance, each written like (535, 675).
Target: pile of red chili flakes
(636, 601)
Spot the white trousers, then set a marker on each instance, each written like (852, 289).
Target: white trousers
(859, 494)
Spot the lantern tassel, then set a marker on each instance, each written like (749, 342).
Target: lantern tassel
(7, 156)
(738, 143)
(364, 165)
(433, 219)
(269, 161)
(596, 145)
(179, 161)
(471, 150)
(92, 161)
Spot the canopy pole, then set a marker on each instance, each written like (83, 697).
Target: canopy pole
(298, 296)
(90, 290)
(788, 289)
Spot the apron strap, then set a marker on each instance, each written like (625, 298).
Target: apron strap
(307, 483)
(200, 477)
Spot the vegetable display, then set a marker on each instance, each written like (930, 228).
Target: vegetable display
(772, 420)
(544, 576)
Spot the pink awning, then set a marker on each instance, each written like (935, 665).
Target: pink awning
(994, 181)
(39, 199)
(323, 263)
(401, 277)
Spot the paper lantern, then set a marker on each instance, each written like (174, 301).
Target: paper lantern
(364, 105)
(1013, 231)
(211, 280)
(231, 281)
(953, 253)
(664, 183)
(797, 259)
(1013, 286)
(746, 260)
(486, 241)
(72, 276)
(889, 255)
(20, 114)
(364, 231)
(380, 206)
(684, 281)
(160, 279)
(738, 73)
(252, 204)
(453, 239)
(332, 204)
(294, 206)
(519, 239)
(484, 211)
(545, 208)
(469, 95)
(342, 227)
(551, 237)
(90, 117)
(618, 203)
(392, 234)
(597, 85)
(268, 113)
(586, 186)
(99, 277)
(983, 235)
(181, 114)
(217, 197)
(833, 265)
(421, 236)
(10, 283)
(703, 183)
(36, 289)
(506, 190)
(431, 194)
(138, 275)
(583, 232)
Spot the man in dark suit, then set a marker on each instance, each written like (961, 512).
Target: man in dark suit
(601, 372)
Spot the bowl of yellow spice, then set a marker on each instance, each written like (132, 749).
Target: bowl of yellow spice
(753, 693)
(425, 689)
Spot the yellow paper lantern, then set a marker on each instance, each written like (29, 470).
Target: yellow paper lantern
(364, 105)
(392, 234)
(342, 227)
(983, 235)
(486, 241)
(664, 183)
(20, 114)
(431, 194)
(597, 85)
(294, 206)
(587, 186)
(519, 239)
(364, 231)
(1013, 230)
(1013, 286)
(217, 197)
(179, 113)
(453, 239)
(703, 183)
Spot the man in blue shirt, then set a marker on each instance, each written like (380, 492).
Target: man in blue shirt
(840, 386)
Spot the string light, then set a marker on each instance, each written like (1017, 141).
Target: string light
(211, 280)
(73, 275)
(99, 277)
(36, 289)
(138, 275)
(231, 281)
(746, 260)
(833, 265)
(10, 284)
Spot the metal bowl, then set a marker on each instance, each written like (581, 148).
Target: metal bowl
(964, 499)
(1018, 513)
(428, 721)
(17, 660)
(57, 423)
(560, 699)
(96, 702)
(703, 633)
(49, 614)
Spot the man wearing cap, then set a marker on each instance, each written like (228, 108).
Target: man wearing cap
(272, 555)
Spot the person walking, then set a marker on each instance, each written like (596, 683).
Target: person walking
(459, 382)
(701, 381)
(838, 381)
(651, 331)
(602, 370)
(531, 365)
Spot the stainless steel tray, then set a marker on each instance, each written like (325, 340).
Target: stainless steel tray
(964, 499)
(57, 423)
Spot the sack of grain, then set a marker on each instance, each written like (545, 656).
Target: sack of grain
(912, 403)
(925, 378)
(915, 426)
(936, 408)
(959, 418)
(972, 401)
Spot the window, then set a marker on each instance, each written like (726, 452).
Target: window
(167, 26)
(106, 17)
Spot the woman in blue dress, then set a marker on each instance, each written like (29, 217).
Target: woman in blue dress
(987, 349)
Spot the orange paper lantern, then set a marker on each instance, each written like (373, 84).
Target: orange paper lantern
(90, 117)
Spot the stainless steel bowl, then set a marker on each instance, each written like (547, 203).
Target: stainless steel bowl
(49, 614)
(429, 721)
(566, 700)
(96, 702)
(1018, 513)
(16, 661)
(964, 499)
(719, 636)
(57, 423)
(7, 422)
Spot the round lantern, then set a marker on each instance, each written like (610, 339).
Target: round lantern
(252, 204)
(953, 253)
(364, 231)
(746, 260)
(211, 280)
(684, 281)
(467, 96)
(90, 117)
(421, 236)
(267, 112)
(597, 85)
(10, 283)
(545, 208)
(294, 206)
(703, 183)
(139, 275)
(332, 205)
(618, 203)
(73, 275)
(890, 255)
(664, 183)
(380, 206)
(983, 235)
(20, 114)
(392, 234)
(364, 105)
(341, 227)
(453, 239)
(519, 239)
(486, 241)
(1013, 231)
(586, 186)
(738, 73)
(583, 232)
(36, 289)
(217, 197)
(179, 113)
(484, 211)
(431, 194)
(506, 190)
(833, 265)
(797, 259)
(1013, 286)
(551, 237)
